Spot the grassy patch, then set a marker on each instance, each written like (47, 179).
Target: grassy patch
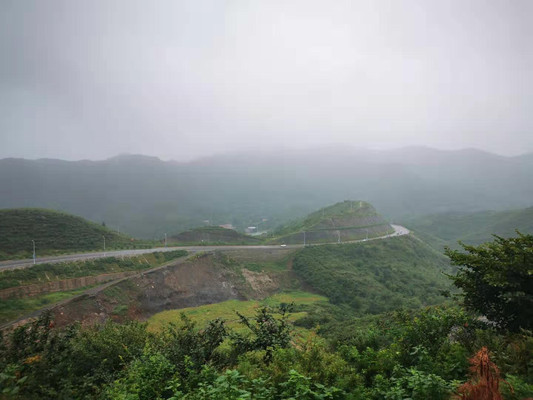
(226, 310)
(15, 308)
(43, 273)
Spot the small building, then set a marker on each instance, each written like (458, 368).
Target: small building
(251, 229)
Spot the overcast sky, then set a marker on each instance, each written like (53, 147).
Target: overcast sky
(187, 78)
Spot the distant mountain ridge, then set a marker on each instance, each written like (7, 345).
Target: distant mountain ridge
(147, 197)
(471, 228)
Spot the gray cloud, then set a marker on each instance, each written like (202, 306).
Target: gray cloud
(181, 79)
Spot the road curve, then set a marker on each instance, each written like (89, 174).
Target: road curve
(10, 264)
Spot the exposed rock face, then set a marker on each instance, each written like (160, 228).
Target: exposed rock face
(262, 284)
(203, 280)
(187, 285)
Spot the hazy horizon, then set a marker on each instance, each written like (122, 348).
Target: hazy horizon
(282, 150)
(190, 79)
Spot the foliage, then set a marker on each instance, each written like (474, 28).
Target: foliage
(497, 280)
(406, 354)
(43, 273)
(376, 276)
(412, 384)
(213, 235)
(10, 309)
(486, 379)
(267, 331)
(474, 229)
(189, 349)
(201, 315)
(54, 232)
(146, 378)
(349, 220)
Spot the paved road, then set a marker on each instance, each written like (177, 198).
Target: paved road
(10, 264)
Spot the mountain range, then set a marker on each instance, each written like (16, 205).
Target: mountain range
(147, 197)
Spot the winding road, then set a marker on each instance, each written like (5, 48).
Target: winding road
(10, 264)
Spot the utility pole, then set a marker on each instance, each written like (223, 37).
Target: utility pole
(33, 241)
(339, 235)
(165, 240)
(366, 234)
(104, 244)
(304, 238)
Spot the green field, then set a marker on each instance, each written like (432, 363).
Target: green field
(226, 310)
(55, 232)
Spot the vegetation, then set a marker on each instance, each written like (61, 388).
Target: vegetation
(376, 339)
(54, 233)
(228, 310)
(11, 309)
(375, 276)
(213, 235)
(346, 221)
(447, 229)
(418, 355)
(245, 189)
(44, 273)
(497, 280)
(16, 306)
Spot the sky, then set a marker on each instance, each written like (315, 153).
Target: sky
(181, 79)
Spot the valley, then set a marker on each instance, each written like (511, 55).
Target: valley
(338, 275)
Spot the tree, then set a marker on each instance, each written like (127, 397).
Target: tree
(268, 332)
(497, 280)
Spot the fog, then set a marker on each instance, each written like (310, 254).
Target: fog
(186, 79)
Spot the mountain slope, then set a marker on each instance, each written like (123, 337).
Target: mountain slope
(148, 197)
(375, 276)
(342, 222)
(475, 228)
(53, 232)
(212, 235)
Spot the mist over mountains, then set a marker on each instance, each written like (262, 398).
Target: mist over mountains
(147, 197)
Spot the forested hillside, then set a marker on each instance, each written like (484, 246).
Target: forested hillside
(471, 228)
(53, 232)
(375, 276)
(342, 222)
(212, 235)
(148, 197)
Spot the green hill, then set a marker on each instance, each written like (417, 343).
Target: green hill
(446, 229)
(344, 221)
(53, 232)
(375, 276)
(212, 235)
(265, 188)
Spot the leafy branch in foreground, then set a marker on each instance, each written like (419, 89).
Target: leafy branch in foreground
(268, 332)
(497, 280)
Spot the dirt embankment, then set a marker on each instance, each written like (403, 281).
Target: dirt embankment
(60, 286)
(202, 280)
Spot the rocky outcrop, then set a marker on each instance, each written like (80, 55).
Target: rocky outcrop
(202, 280)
